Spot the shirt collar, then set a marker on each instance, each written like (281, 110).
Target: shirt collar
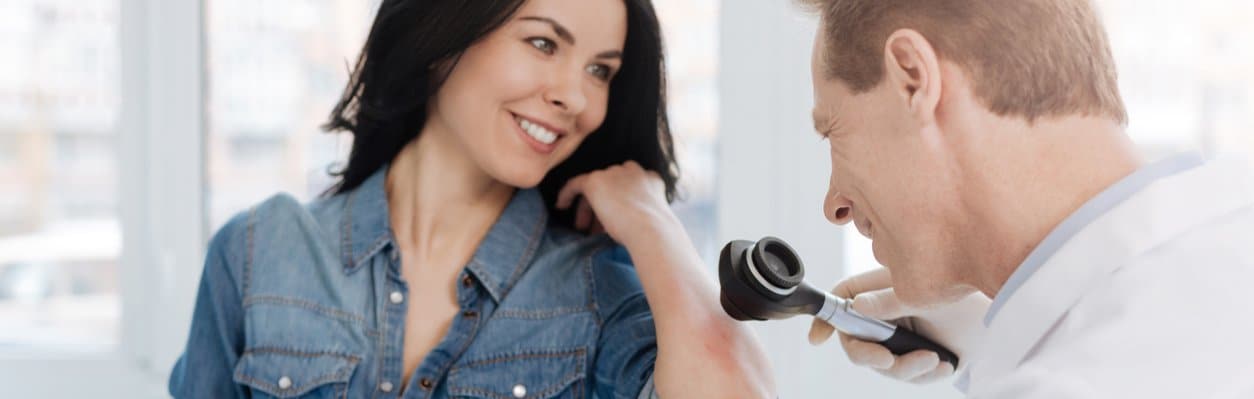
(500, 259)
(1085, 215)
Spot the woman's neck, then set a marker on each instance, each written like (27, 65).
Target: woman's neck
(438, 198)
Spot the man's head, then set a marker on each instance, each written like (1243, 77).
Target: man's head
(909, 92)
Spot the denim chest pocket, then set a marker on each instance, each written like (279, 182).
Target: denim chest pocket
(293, 374)
(541, 374)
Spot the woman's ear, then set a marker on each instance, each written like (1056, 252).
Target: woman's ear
(913, 72)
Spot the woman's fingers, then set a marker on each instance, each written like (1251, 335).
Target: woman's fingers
(584, 216)
(572, 189)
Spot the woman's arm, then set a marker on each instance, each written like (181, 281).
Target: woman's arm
(701, 352)
(216, 338)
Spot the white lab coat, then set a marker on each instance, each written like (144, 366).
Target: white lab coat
(1154, 299)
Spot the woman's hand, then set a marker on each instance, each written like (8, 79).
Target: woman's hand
(701, 352)
(625, 201)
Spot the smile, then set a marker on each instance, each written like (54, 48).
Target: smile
(536, 131)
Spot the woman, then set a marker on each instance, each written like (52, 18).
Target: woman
(434, 270)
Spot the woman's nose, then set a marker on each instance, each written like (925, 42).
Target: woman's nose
(566, 93)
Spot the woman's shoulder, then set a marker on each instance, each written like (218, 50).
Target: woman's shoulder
(278, 218)
(595, 248)
(608, 264)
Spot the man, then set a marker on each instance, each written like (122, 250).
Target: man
(980, 144)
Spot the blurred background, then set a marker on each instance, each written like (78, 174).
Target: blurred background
(130, 130)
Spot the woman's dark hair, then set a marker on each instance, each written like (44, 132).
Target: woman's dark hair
(401, 67)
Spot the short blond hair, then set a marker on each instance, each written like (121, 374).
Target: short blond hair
(1028, 58)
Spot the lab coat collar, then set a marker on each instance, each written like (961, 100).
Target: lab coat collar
(1160, 212)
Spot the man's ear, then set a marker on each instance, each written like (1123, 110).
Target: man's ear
(913, 71)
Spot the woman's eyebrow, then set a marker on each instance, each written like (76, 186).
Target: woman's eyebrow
(611, 54)
(560, 30)
(565, 34)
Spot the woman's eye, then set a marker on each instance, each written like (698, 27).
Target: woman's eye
(601, 71)
(542, 44)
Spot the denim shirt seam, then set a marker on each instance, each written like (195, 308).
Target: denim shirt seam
(593, 297)
(250, 300)
(264, 350)
(373, 249)
(453, 360)
(537, 234)
(578, 353)
(346, 229)
(249, 237)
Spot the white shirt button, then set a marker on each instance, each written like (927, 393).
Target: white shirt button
(284, 382)
(397, 297)
(520, 391)
(385, 386)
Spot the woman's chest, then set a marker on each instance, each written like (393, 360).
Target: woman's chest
(352, 338)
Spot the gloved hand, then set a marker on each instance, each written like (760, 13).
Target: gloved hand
(957, 326)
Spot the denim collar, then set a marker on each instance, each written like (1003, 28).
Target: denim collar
(499, 260)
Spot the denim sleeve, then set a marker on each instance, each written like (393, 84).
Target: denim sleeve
(627, 346)
(216, 339)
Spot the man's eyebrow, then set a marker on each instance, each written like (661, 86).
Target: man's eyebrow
(560, 30)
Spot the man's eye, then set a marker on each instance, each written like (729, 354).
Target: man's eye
(542, 44)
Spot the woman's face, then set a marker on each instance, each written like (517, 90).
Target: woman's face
(522, 99)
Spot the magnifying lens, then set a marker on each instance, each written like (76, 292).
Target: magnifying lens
(763, 281)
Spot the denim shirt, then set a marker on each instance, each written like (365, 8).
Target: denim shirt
(308, 301)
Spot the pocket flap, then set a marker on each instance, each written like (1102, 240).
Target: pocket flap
(287, 373)
(530, 374)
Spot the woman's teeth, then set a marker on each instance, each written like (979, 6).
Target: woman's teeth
(537, 132)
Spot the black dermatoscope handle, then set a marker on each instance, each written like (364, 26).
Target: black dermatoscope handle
(763, 280)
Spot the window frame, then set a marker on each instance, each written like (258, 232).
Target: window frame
(160, 159)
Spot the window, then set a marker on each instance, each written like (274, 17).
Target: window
(690, 28)
(275, 69)
(60, 236)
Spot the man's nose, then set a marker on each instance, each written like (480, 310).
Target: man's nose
(837, 208)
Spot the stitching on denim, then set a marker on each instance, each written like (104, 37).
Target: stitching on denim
(280, 300)
(340, 375)
(248, 256)
(565, 381)
(268, 386)
(538, 314)
(495, 395)
(270, 350)
(526, 355)
(590, 277)
(470, 338)
(592, 284)
(569, 380)
(346, 237)
(374, 247)
(488, 282)
(537, 233)
(381, 340)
